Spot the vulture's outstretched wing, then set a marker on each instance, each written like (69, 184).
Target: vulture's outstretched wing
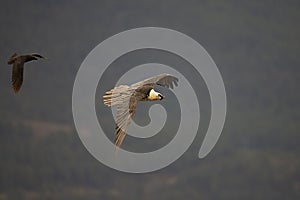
(125, 112)
(165, 80)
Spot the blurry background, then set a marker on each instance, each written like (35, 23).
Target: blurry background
(255, 44)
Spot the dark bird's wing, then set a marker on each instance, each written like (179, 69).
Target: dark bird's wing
(165, 80)
(37, 55)
(17, 75)
(30, 57)
(125, 112)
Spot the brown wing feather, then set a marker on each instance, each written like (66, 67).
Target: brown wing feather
(28, 58)
(115, 96)
(125, 113)
(37, 55)
(17, 75)
(165, 80)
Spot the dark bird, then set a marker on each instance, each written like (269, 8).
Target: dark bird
(18, 67)
(126, 98)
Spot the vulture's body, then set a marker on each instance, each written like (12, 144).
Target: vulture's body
(126, 98)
